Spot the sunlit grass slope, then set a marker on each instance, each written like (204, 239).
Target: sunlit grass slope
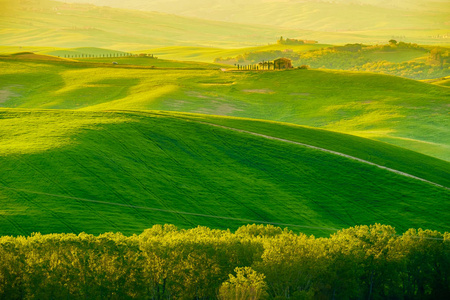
(34, 49)
(56, 163)
(380, 20)
(208, 54)
(58, 24)
(398, 55)
(55, 51)
(153, 62)
(128, 61)
(444, 81)
(404, 112)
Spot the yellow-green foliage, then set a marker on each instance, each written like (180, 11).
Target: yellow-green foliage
(165, 262)
(246, 285)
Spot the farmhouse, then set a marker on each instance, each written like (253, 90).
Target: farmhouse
(282, 63)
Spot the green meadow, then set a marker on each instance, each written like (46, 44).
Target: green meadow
(392, 57)
(399, 111)
(147, 153)
(96, 139)
(445, 81)
(62, 25)
(65, 25)
(209, 54)
(153, 62)
(61, 52)
(334, 22)
(75, 171)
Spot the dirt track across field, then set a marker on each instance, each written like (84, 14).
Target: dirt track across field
(327, 151)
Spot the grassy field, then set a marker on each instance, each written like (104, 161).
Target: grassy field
(101, 56)
(155, 62)
(91, 146)
(206, 54)
(444, 81)
(47, 23)
(380, 153)
(404, 112)
(399, 56)
(55, 51)
(125, 171)
(328, 21)
(61, 25)
(183, 53)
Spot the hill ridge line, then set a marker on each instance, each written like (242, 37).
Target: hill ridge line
(325, 150)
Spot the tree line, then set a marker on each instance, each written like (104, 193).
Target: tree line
(102, 55)
(86, 55)
(254, 262)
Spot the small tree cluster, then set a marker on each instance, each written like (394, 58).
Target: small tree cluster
(289, 41)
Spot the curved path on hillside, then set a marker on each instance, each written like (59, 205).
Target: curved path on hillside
(324, 150)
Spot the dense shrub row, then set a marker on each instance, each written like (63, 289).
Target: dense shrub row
(255, 262)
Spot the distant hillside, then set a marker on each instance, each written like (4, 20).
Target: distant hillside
(400, 111)
(125, 171)
(57, 24)
(414, 20)
(395, 58)
(208, 54)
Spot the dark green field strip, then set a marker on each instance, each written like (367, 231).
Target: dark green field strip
(109, 218)
(156, 166)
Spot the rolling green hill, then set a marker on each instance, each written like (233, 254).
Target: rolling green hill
(444, 81)
(58, 24)
(403, 112)
(125, 171)
(65, 25)
(412, 20)
(154, 62)
(100, 57)
(407, 60)
(208, 54)
(55, 51)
